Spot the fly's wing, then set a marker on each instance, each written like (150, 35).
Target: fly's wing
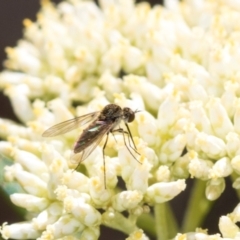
(69, 125)
(81, 152)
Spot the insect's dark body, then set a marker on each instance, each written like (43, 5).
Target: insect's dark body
(111, 115)
(101, 124)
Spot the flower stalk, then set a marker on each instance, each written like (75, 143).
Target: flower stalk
(197, 208)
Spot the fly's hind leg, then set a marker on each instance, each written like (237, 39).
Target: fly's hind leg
(120, 130)
(104, 164)
(130, 139)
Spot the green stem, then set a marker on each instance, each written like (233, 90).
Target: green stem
(118, 222)
(173, 228)
(147, 222)
(198, 207)
(160, 212)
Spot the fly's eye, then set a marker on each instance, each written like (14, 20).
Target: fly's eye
(129, 115)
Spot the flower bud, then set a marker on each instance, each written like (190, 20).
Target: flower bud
(227, 227)
(173, 148)
(232, 145)
(127, 200)
(84, 212)
(48, 216)
(66, 225)
(212, 146)
(24, 230)
(219, 118)
(235, 215)
(199, 117)
(199, 168)
(165, 191)
(235, 162)
(167, 114)
(221, 168)
(137, 235)
(163, 174)
(31, 183)
(89, 233)
(29, 161)
(20, 102)
(214, 188)
(29, 202)
(180, 167)
(236, 183)
(147, 128)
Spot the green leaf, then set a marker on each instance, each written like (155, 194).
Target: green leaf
(4, 161)
(8, 188)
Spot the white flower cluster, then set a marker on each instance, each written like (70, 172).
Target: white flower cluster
(178, 64)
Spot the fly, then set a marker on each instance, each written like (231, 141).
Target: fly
(101, 123)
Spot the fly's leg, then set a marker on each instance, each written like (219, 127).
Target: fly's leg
(130, 139)
(129, 145)
(120, 130)
(104, 165)
(130, 135)
(114, 137)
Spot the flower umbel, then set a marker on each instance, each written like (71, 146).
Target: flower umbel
(177, 64)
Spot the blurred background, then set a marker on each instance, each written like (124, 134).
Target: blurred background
(12, 14)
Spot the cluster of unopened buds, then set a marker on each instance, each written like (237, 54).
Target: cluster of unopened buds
(146, 97)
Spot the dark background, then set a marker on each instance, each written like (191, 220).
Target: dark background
(12, 13)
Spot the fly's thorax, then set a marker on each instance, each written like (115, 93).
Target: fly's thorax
(111, 113)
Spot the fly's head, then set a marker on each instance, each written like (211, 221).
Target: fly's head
(128, 115)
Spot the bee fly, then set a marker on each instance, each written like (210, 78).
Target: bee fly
(101, 123)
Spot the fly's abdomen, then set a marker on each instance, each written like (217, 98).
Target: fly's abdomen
(90, 135)
(84, 141)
